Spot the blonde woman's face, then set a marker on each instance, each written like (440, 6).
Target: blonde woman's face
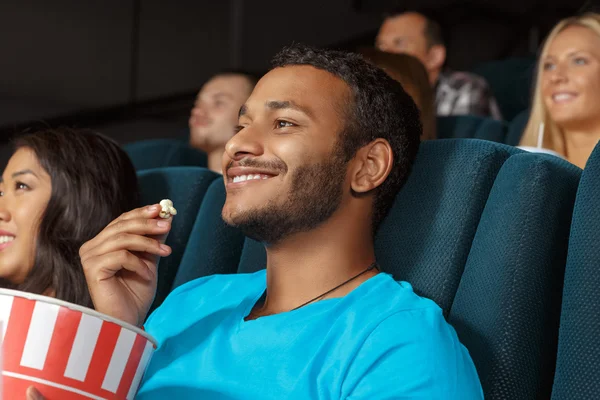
(571, 78)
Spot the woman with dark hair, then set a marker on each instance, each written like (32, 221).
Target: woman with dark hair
(60, 188)
(412, 75)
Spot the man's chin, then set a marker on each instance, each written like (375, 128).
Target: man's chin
(251, 223)
(227, 219)
(200, 138)
(235, 218)
(232, 216)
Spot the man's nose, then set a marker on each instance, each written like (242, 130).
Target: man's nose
(199, 110)
(247, 142)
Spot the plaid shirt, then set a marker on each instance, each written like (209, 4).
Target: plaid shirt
(461, 93)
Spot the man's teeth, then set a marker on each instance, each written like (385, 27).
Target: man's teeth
(243, 178)
(6, 239)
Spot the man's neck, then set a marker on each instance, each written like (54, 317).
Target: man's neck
(434, 76)
(309, 264)
(580, 143)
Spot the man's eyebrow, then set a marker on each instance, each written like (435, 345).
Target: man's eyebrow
(223, 94)
(216, 95)
(282, 105)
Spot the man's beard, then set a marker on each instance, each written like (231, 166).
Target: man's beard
(315, 194)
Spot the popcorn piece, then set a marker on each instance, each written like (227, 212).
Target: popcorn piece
(166, 203)
(167, 208)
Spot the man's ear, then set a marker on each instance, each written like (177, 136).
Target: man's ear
(372, 165)
(436, 57)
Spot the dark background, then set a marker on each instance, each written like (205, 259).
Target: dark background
(130, 68)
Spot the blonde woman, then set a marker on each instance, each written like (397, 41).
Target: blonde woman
(565, 115)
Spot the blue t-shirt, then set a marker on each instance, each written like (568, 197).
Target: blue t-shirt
(381, 341)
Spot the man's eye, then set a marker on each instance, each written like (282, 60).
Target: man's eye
(283, 124)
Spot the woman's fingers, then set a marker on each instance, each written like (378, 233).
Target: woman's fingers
(34, 394)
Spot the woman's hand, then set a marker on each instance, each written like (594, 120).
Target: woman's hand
(34, 394)
(120, 263)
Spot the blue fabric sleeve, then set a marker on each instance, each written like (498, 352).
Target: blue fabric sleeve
(412, 355)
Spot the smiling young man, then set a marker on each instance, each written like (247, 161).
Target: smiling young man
(324, 144)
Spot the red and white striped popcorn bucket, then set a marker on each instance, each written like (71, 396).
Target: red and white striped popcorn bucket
(68, 352)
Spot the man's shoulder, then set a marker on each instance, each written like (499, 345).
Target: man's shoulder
(394, 307)
(410, 350)
(400, 298)
(403, 316)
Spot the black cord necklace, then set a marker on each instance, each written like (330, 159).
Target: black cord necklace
(370, 268)
(254, 313)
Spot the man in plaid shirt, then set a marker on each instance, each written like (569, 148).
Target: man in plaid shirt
(457, 93)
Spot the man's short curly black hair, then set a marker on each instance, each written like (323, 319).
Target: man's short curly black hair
(379, 108)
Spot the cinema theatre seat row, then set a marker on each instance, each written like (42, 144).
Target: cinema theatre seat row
(186, 187)
(215, 247)
(160, 153)
(578, 363)
(511, 82)
(474, 127)
(471, 127)
(481, 228)
(507, 306)
(516, 128)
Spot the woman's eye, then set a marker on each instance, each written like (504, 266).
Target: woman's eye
(548, 66)
(21, 186)
(580, 61)
(237, 129)
(283, 124)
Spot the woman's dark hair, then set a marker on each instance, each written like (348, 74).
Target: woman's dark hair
(413, 77)
(379, 108)
(93, 182)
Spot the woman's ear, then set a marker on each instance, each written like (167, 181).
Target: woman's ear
(373, 164)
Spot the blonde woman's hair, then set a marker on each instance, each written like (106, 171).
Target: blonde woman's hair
(553, 136)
